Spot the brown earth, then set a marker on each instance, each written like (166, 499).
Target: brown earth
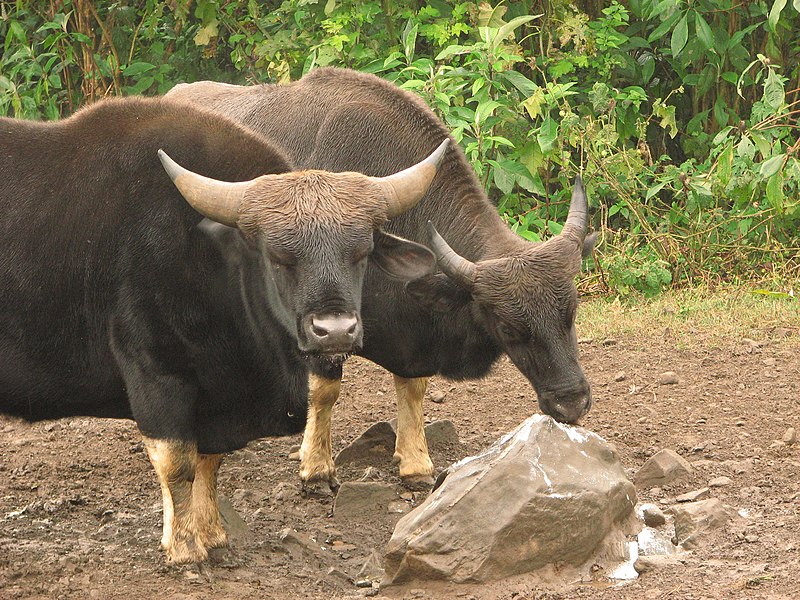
(80, 508)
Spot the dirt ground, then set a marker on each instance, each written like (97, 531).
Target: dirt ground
(80, 510)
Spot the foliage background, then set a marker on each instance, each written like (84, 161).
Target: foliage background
(682, 116)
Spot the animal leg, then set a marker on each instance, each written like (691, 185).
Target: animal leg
(205, 503)
(317, 471)
(175, 463)
(411, 448)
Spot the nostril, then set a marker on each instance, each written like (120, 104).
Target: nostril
(353, 327)
(318, 330)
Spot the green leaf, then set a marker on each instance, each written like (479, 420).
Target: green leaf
(704, 32)
(721, 136)
(775, 192)
(547, 134)
(410, 41)
(648, 68)
(500, 140)
(503, 180)
(745, 148)
(413, 84)
(667, 115)
(519, 81)
(509, 27)
(763, 145)
(680, 35)
(485, 109)
(137, 68)
(207, 33)
(662, 29)
(654, 190)
(721, 111)
(775, 13)
(771, 166)
(453, 51)
(774, 93)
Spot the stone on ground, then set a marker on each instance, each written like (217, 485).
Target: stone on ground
(546, 494)
(662, 468)
(377, 442)
(695, 520)
(655, 562)
(358, 498)
(652, 515)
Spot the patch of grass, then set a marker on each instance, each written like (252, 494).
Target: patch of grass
(691, 317)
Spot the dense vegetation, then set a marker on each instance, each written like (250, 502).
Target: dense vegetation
(682, 115)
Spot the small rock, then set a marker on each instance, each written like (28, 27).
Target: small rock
(372, 569)
(294, 455)
(609, 342)
(777, 444)
(192, 576)
(234, 525)
(398, 507)
(694, 519)
(668, 378)
(652, 515)
(585, 340)
(438, 396)
(363, 583)
(790, 436)
(441, 433)
(694, 495)
(720, 482)
(769, 362)
(620, 376)
(751, 538)
(378, 439)
(338, 574)
(655, 562)
(359, 498)
(662, 468)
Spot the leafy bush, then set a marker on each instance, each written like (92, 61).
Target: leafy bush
(682, 116)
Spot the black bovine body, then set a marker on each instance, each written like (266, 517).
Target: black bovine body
(341, 120)
(115, 303)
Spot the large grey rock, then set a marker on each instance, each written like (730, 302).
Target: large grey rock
(544, 494)
(662, 468)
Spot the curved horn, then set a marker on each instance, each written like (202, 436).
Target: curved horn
(456, 267)
(217, 200)
(406, 188)
(578, 217)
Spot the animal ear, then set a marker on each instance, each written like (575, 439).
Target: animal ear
(438, 293)
(401, 259)
(589, 243)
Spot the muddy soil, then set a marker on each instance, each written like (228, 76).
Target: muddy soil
(80, 510)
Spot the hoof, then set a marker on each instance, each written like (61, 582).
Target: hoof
(418, 483)
(321, 487)
(186, 551)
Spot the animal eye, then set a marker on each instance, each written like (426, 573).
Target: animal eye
(507, 331)
(283, 261)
